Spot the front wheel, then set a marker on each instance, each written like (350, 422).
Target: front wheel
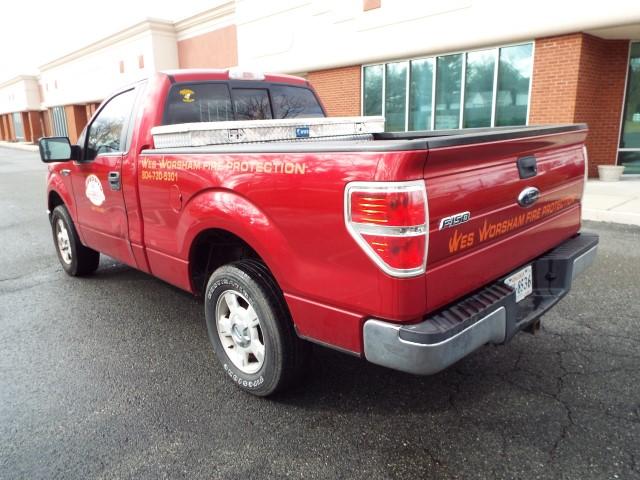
(251, 330)
(75, 258)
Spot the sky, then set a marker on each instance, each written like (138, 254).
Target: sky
(33, 32)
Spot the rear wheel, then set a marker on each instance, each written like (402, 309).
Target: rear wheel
(75, 258)
(251, 330)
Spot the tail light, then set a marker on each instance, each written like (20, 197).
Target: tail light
(389, 220)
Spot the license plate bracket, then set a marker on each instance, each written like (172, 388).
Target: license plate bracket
(522, 282)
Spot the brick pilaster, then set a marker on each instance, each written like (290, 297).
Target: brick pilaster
(580, 78)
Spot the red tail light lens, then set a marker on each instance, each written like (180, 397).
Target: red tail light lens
(389, 221)
(396, 209)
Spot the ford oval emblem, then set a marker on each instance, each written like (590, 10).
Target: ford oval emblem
(528, 196)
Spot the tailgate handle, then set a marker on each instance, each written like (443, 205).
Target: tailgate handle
(527, 167)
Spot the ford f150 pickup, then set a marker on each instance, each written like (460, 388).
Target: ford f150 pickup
(408, 249)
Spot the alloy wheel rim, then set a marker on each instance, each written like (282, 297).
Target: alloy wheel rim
(64, 245)
(240, 332)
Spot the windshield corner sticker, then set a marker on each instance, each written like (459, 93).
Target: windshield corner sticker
(93, 190)
(187, 95)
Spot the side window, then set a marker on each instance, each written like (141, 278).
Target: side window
(292, 102)
(105, 134)
(252, 104)
(199, 102)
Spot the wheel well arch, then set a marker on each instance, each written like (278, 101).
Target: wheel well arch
(54, 200)
(213, 248)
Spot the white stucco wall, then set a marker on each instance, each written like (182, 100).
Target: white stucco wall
(304, 35)
(19, 94)
(90, 75)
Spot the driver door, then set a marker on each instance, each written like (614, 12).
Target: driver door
(97, 186)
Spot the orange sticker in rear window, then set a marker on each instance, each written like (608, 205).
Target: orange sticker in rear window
(187, 95)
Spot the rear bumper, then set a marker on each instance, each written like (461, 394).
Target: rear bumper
(490, 315)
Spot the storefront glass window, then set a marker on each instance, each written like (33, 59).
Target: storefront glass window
(420, 100)
(448, 83)
(59, 122)
(514, 75)
(18, 128)
(491, 95)
(478, 90)
(395, 94)
(629, 154)
(373, 90)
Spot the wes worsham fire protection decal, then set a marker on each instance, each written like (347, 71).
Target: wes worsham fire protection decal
(93, 190)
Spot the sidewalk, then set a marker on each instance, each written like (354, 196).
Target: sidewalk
(617, 202)
(19, 146)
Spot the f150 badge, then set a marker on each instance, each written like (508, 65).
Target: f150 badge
(455, 220)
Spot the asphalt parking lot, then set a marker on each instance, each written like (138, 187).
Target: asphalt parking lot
(112, 376)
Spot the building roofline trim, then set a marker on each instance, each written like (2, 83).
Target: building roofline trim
(18, 78)
(146, 25)
(218, 16)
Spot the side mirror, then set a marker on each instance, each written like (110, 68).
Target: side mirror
(57, 149)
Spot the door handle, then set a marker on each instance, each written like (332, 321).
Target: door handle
(114, 180)
(65, 172)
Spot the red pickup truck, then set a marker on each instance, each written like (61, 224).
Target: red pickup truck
(409, 249)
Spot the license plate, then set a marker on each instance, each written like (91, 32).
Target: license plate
(521, 282)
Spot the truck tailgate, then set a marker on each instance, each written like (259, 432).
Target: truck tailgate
(499, 234)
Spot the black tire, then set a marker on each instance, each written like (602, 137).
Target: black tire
(284, 353)
(77, 260)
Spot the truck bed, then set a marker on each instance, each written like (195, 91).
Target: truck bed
(464, 170)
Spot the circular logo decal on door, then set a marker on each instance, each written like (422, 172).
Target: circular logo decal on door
(94, 191)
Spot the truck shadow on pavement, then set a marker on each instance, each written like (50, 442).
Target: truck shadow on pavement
(547, 400)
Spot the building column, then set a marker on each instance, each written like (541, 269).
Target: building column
(35, 125)
(3, 131)
(26, 127)
(46, 123)
(76, 120)
(581, 78)
(12, 132)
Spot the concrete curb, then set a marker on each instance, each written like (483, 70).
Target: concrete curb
(612, 217)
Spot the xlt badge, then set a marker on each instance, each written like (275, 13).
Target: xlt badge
(453, 220)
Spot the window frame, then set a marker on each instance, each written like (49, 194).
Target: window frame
(624, 104)
(239, 84)
(433, 58)
(432, 61)
(125, 138)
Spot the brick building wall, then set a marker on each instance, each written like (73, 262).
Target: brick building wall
(216, 49)
(581, 78)
(339, 89)
(603, 70)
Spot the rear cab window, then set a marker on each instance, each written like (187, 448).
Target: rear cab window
(222, 101)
